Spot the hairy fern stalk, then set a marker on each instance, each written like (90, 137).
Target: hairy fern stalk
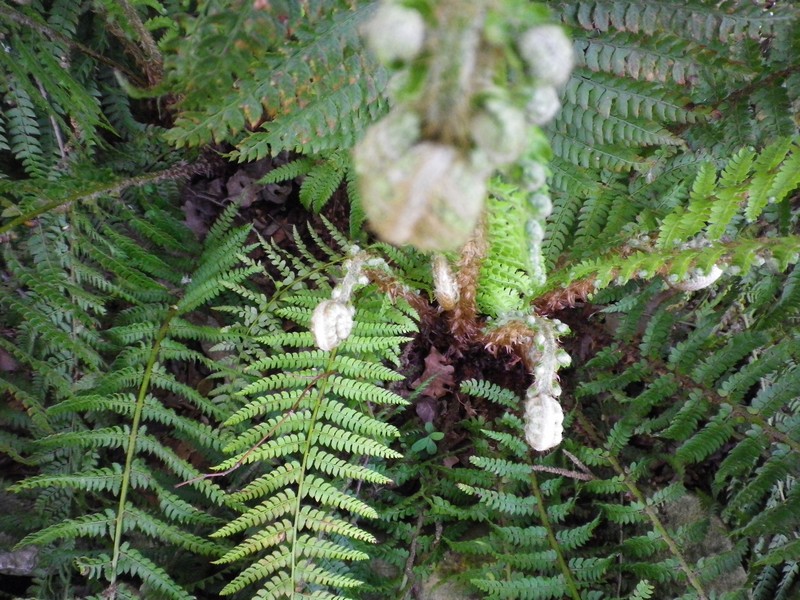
(200, 400)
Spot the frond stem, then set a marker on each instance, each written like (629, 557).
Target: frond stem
(641, 499)
(304, 466)
(131, 449)
(551, 537)
(658, 525)
(180, 170)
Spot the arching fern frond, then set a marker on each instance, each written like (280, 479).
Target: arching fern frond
(304, 426)
(106, 395)
(320, 68)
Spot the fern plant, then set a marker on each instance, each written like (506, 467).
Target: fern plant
(100, 412)
(517, 559)
(659, 92)
(690, 393)
(284, 56)
(308, 422)
(61, 99)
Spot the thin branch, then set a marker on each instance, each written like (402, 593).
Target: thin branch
(577, 462)
(408, 571)
(563, 472)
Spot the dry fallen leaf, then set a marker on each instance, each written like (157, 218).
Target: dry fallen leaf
(439, 373)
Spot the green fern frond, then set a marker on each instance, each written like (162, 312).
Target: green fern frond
(506, 276)
(329, 122)
(677, 162)
(121, 392)
(502, 502)
(320, 69)
(307, 428)
(591, 221)
(695, 19)
(560, 225)
(90, 525)
(658, 57)
(626, 99)
(518, 586)
(135, 563)
(587, 154)
(490, 391)
(24, 132)
(590, 127)
(322, 180)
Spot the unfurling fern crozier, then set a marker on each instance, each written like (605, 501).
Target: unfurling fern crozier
(471, 82)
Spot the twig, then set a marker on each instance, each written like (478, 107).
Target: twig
(563, 472)
(578, 462)
(408, 571)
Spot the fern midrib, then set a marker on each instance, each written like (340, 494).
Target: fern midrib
(101, 190)
(641, 499)
(562, 563)
(130, 452)
(321, 389)
(659, 526)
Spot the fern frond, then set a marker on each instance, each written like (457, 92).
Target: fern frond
(507, 273)
(329, 122)
(697, 20)
(311, 426)
(134, 562)
(322, 180)
(344, 94)
(626, 99)
(587, 154)
(590, 127)
(658, 57)
(25, 133)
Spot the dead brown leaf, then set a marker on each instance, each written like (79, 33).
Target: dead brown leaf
(440, 374)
